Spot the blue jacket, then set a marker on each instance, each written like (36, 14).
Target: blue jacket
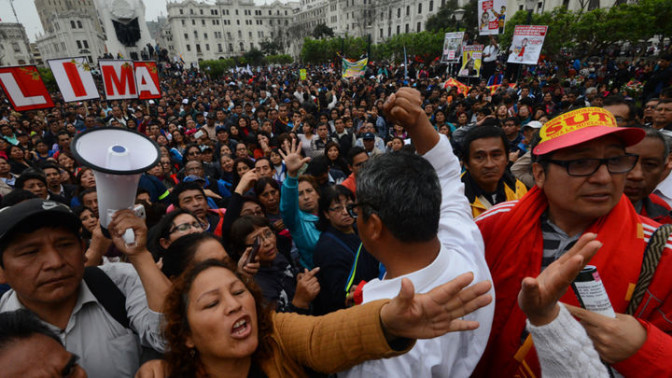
(301, 225)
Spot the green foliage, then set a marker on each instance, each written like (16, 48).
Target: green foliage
(279, 59)
(425, 44)
(270, 47)
(254, 57)
(322, 31)
(443, 20)
(217, 67)
(324, 50)
(48, 79)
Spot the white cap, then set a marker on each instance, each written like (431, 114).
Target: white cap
(533, 124)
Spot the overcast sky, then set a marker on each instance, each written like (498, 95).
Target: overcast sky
(27, 14)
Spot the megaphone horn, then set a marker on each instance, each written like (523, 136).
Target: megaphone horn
(118, 157)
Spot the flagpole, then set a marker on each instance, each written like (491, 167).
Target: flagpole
(405, 64)
(11, 3)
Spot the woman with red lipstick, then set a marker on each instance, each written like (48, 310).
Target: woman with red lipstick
(217, 326)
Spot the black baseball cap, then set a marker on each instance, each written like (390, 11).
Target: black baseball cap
(32, 210)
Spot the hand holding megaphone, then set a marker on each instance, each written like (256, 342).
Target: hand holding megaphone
(123, 223)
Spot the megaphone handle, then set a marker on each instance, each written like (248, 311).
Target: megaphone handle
(129, 237)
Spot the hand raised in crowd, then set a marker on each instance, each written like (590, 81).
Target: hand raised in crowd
(538, 297)
(293, 159)
(123, 220)
(615, 339)
(307, 288)
(251, 268)
(278, 225)
(405, 108)
(247, 181)
(425, 316)
(211, 194)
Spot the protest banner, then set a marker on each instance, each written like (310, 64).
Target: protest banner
(452, 45)
(354, 69)
(118, 79)
(302, 74)
(147, 80)
(74, 79)
(491, 16)
(526, 44)
(24, 88)
(471, 61)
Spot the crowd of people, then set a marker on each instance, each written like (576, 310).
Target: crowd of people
(290, 223)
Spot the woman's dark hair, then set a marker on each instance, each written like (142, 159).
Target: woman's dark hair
(181, 252)
(243, 160)
(329, 195)
(162, 231)
(332, 144)
(260, 185)
(242, 227)
(78, 180)
(186, 152)
(79, 210)
(179, 358)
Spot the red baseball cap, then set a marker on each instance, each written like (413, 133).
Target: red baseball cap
(582, 125)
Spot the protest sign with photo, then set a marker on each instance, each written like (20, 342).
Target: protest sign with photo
(526, 44)
(452, 45)
(471, 61)
(491, 16)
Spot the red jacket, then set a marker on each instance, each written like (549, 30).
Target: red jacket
(619, 270)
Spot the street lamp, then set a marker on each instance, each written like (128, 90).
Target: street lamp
(529, 7)
(458, 14)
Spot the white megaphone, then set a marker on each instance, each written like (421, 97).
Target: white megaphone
(118, 157)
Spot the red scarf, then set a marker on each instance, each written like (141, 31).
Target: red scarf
(514, 250)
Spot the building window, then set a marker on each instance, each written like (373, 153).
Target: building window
(198, 48)
(203, 22)
(181, 11)
(419, 26)
(207, 47)
(408, 10)
(230, 47)
(407, 28)
(79, 25)
(183, 23)
(205, 35)
(186, 36)
(86, 44)
(398, 29)
(72, 25)
(431, 5)
(420, 8)
(219, 47)
(398, 12)
(193, 22)
(251, 45)
(201, 11)
(188, 47)
(195, 34)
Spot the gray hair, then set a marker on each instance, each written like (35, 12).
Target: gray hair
(404, 190)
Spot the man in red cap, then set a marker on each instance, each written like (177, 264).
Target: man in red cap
(579, 168)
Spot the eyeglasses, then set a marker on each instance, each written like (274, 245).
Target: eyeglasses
(351, 208)
(194, 153)
(186, 227)
(340, 208)
(265, 235)
(587, 167)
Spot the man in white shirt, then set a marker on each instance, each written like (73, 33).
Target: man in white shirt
(490, 53)
(414, 218)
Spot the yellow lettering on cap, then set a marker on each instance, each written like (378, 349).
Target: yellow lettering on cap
(576, 120)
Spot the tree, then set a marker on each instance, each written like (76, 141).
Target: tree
(322, 31)
(269, 47)
(254, 57)
(443, 19)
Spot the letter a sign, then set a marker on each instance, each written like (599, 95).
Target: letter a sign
(147, 80)
(74, 79)
(118, 79)
(24, 88)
